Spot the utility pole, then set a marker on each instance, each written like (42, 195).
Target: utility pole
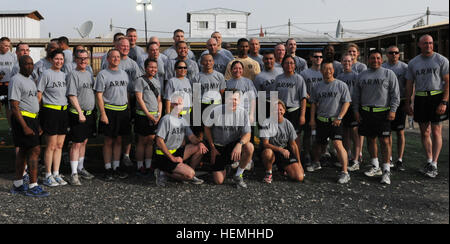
(428, 15)
(289, 28)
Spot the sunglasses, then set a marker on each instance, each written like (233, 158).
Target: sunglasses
(317, 56)
(181, 67)
(393, 53)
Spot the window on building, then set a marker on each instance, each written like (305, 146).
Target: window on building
(203, 24)
(231, 25)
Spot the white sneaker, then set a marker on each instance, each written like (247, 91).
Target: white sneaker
(50, 181)
(60, 180)
(234, 165)
(386, 178)
(344, 178)
(250, 165)
(374, 171)
(196, 181)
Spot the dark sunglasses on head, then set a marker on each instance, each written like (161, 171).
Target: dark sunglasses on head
(181, 67)
(392, 53)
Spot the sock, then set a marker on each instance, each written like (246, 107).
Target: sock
(116, 164)
(140, 164)
(47, 175)
(148, 163)
(386, 167)
(55, 173)
(429, 160)
(400, 159)
(74, 167)
(80, 163)
(375, 162)
(32, 185)
(239, 171)
(18, 183)
(126, 155)
(390, 158)
(269, 172)
(434, 164)
(108, 166)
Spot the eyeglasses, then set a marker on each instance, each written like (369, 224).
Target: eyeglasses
(181, 67)
(317, 56)
(393, 53)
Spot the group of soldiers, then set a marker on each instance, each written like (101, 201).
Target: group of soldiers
(188, 112)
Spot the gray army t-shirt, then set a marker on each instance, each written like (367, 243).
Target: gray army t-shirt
(81, 84)
(278, 134)
(221, 61)
(160, 75)
(400, 69)
(312, 78)
(329, 97)
(192, 70)
(23, 89)
(291, 89)
(176, 85)
(265, 81)
(149, 97)
(53, 86)
(113, 84)
(7, 62)
(247, 88)
(173, 130)
(211, 84)
(427, 72)
(300, 64)
(350, 79)
(376, 88)
(228, 126)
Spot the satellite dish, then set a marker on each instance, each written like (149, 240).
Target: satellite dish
(85, 29)
(339, 30)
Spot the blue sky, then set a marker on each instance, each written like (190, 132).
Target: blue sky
(62, 16)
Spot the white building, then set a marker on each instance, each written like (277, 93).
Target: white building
(22, 24)
(230, 23)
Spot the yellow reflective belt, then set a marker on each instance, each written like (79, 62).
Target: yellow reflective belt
(428, 93)
(308, 105)
(140, 112)
(159, 152)
(74, 111)
(292, 109)
(184, 112)
(115, 107)
(28, 114)
(370, 109)
(325, 120)
(55, 107)
(213, 102)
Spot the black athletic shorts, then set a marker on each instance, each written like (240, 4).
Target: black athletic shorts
(326, 130)
(349, 118)
(54, 122)
(143, 127)
(374, 124)
(294, 118)
(19, 138)
(119, 123)
(398, 123)
(79, 132)
(306, 128)
(224, 158)
(283, 162)
(4, 92)
(164, 164)
(425, 109)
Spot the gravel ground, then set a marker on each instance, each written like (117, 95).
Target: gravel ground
(411, 198)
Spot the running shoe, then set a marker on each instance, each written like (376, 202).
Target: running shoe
(196, 181)
(374, 171)
(19, 190)
(344, 178)
(399, 166)
(386, 177)
(60, 180)
(85, 174)
(353, 166)
(268, 178)
(74, 180)
(127, 161)
(239, 180)
(50, 181)
(36, 191)
(109, 175)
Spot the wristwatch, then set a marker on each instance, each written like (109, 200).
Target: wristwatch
(241, 142)
(339, 118)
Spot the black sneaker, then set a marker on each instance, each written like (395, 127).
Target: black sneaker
(399, 166)
(109, 175)
(118, 173)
